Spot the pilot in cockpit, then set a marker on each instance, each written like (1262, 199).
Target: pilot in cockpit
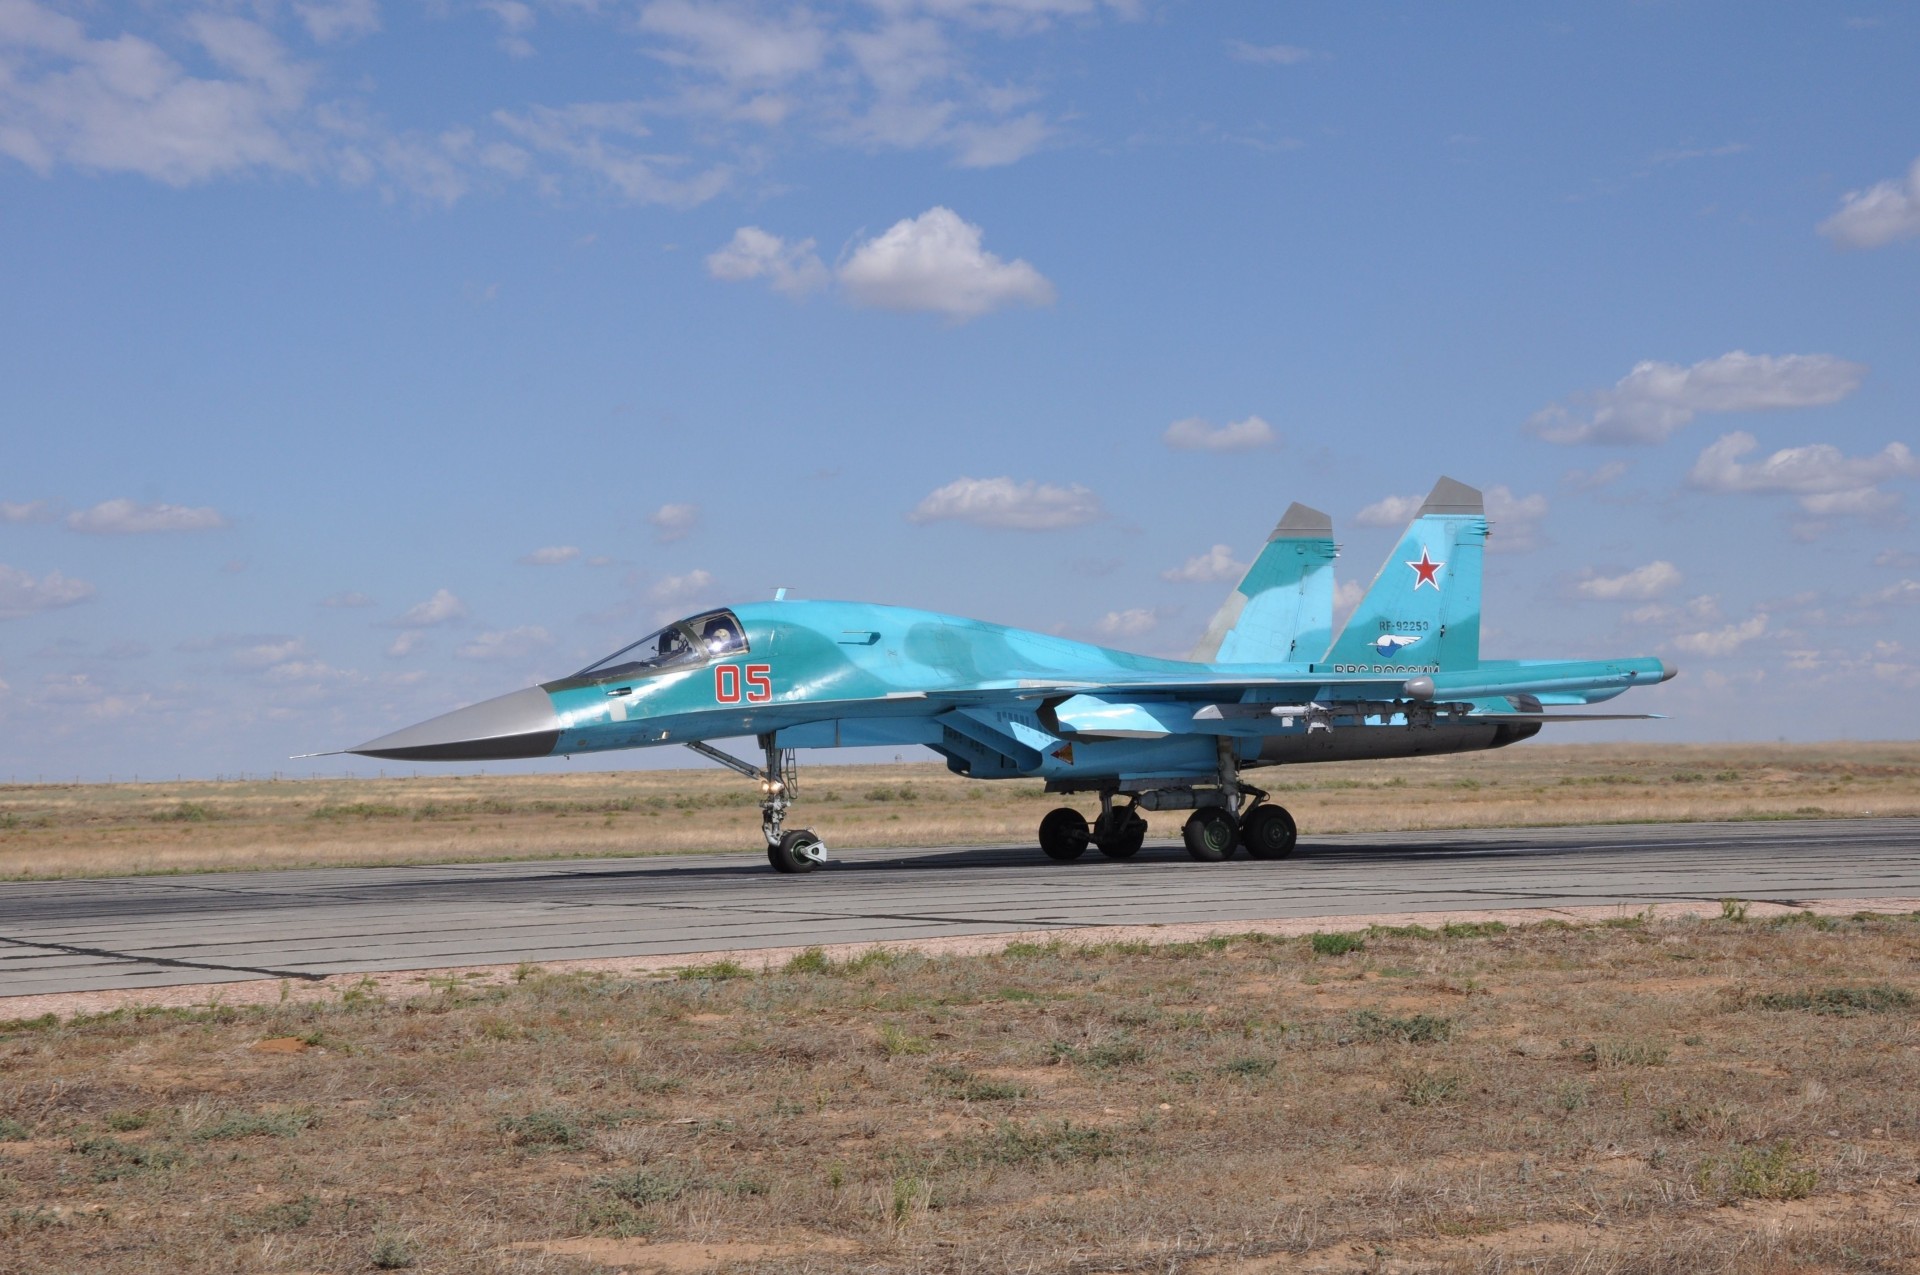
(719, 636)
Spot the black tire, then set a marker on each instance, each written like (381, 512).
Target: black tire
(786, 856)
(1064, 835)
(1269, 832)
(1129, 834)
(1210, 834)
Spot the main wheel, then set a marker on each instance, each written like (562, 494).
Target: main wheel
(1064, 834)
(795, 852)
(1269, 832)
(1210, 834)
(1129, 833)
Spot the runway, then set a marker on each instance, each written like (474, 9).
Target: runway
(151, 932)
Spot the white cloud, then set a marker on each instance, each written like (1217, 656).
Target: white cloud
(442, 608)
(934, 263)
(1721, 641)
(81, 692)
(1596, 478)
(124, 105)
(311, 675)
(674, 522)
(505, 644)
(1000, 143)
(603, 138)
(1826, 482)
(1639, 584)
(1001, 502)
(1654, 400)
(332, 21)
(903, 75)
(1270, 54)
(1129, 623)
(407, 643)
(1877, 215)
(1346, 596)
(255, 656)
(1215, 564)
(1901, 591)
(28, 511)
(1391, 511)
(22, 595)
(230, 91)
(1896, 558)
(1195, 435)
(1703, 609)
(550, 556)
(694, 586)
(792, 268)
(516, 19)
(126, 518)
(740, 47)
(1513, 521)
(346, 600)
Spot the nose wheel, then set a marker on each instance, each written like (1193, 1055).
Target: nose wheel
(798, 850)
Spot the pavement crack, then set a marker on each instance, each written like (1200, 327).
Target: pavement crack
(812, 915)
(169, 961)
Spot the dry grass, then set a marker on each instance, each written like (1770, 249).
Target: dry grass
(1676, 1096)
(97, 829)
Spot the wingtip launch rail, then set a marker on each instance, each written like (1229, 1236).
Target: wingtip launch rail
(1270, 684)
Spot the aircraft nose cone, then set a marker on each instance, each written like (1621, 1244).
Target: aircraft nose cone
(522, 724)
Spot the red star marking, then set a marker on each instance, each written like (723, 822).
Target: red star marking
(1426, 571)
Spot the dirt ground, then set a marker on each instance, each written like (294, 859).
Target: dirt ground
(434, 816)
(1722, 1093)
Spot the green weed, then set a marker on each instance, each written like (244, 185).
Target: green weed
(1338, 944)
(718, 971)
(1415, 1029)
(645, 1186)
(1611, 1055)
(1749, 1174)
(543, 1129)
(284, 1124)
(1842, 1002)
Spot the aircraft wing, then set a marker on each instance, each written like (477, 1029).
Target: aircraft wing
(1599, 678)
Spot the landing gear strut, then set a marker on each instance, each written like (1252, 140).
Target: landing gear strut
(1119, 832)
(788, 850)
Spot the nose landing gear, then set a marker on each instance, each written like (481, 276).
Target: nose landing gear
(795, 850)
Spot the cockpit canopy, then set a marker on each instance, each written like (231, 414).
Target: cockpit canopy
(683, 644)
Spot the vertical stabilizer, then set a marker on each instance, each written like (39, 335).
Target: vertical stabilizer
(1283, 607)
(1422, 613)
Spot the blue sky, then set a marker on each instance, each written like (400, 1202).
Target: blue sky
(361, 359)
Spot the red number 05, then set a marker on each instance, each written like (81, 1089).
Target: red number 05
(726, 683)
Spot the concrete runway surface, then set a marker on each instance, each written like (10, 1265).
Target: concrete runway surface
(149, 932)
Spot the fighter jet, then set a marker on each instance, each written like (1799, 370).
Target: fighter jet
(1270, 684)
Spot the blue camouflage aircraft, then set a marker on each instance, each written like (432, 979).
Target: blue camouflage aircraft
(1270, 684)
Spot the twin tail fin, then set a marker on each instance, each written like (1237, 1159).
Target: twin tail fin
(1422, 613)
(1282, 610)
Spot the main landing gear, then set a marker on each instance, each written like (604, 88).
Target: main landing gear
(1225, 817)
(788, 850)
(1117, 832)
